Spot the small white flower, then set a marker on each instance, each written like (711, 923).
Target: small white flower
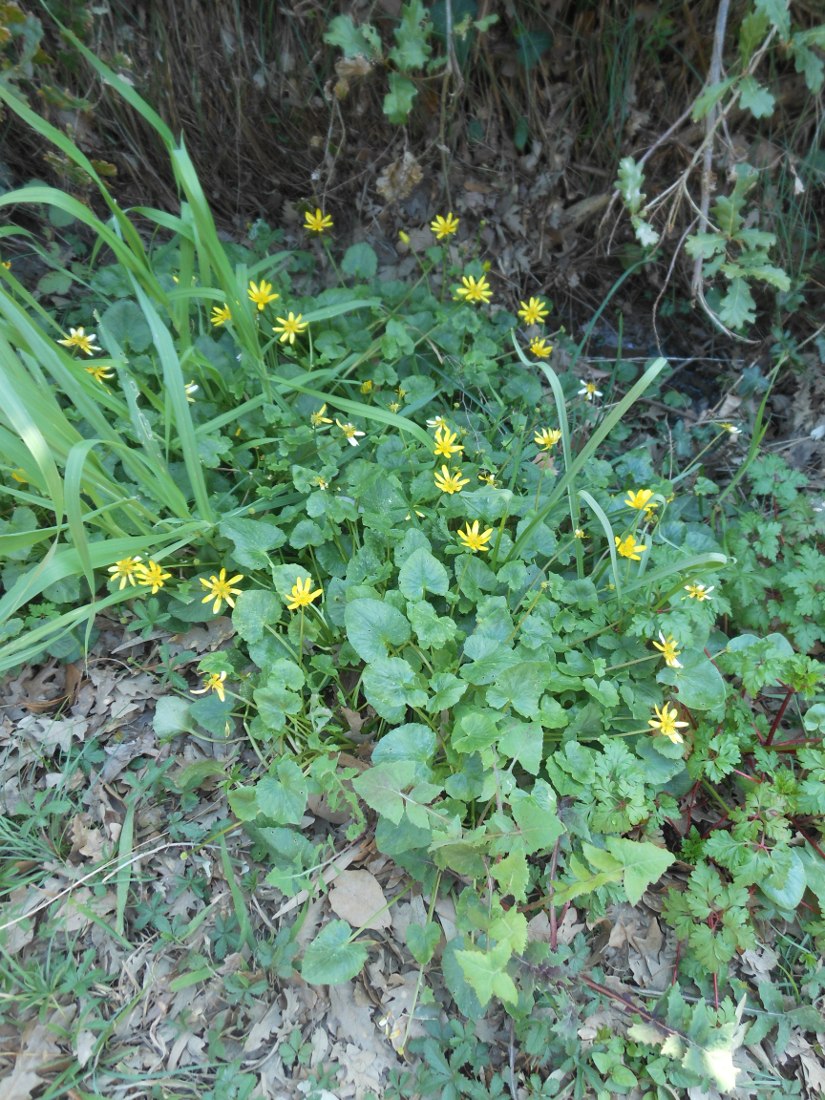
(589, 391)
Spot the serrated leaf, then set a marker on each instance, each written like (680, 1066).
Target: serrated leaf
(778, 15)
(485, 973)
(536, 816)
(510, 928)
(629, 183)
(512, 874)
(380, 787)
(809, 64)
(373, 626)
(411, 34)
(708, 98)
(756, 98)
(642, 863)
(354, 41)
(737, 307)
(422, 572)
(704, 245)
(752, 31)
(646, 235)
(767, 273)
(399, 100)
(331, 958)
(422, 940)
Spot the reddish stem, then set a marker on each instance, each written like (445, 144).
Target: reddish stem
(779, 715)
(813, 844)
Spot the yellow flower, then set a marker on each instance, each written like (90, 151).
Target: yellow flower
(698, 592)
(450, 482)
(589, 391)
(629, 548)
(302, 595)
(638, 499)
(317, 418)
(534, 311)
(350, 432)
(665, 722)
(6, 264)
(474, 290)
(151, 576)
(731, 429)
(668, 647)
(124, 571)
(540, 348)
(547, 438)
(289, 327)
(220, 315)
(213, 682)
(445, 443)
(317, 222)
(20, 475)
(82, 340)
(261, 294)
(100, 374)
(394, 406)
(190, 389)
(321, 482)
(367, 386)
(402, 393)
(579, 533)
(488, 479)
(220, 589)
(403, 237)
(444, 227)
(474, 539)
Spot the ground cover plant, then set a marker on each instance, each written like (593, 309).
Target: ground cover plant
(440, 596)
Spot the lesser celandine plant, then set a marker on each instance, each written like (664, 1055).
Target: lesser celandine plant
(410, 515)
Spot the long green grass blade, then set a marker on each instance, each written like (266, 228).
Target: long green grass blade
(590, 449)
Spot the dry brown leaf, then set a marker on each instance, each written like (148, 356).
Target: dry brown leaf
(399, 179)
(86, 839)
(357, 898)
(37, 1049)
